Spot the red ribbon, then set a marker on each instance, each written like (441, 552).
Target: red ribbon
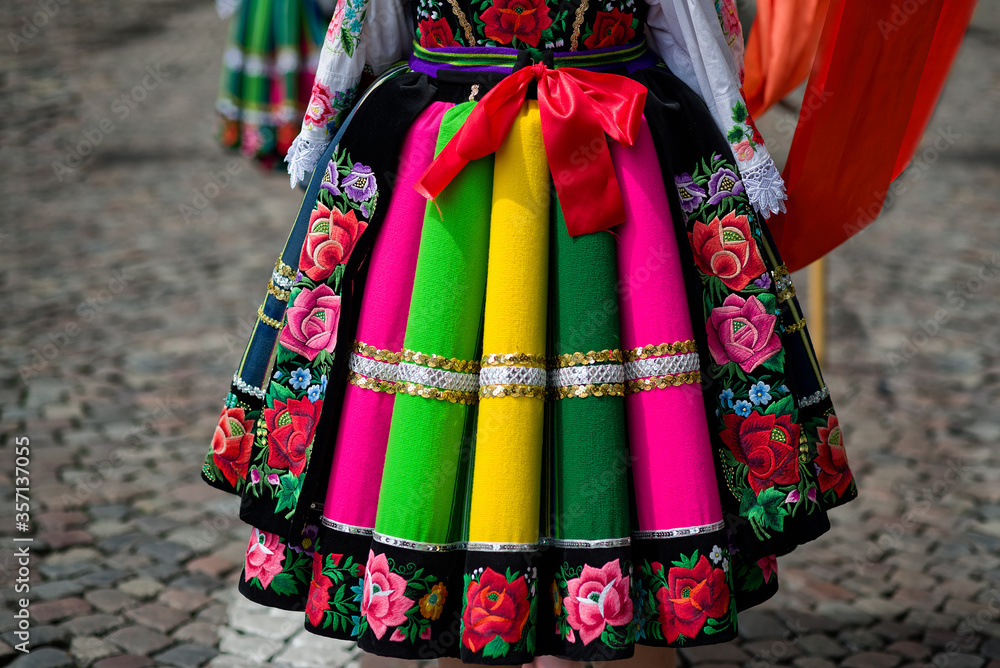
(577, 108)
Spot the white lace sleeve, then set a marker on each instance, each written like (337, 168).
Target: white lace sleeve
(362, 33)
(692, 38)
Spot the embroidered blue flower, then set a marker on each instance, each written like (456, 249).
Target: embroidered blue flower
(314, 394)
(300, 379)
(743, 408)
(726, 397)
(760, 393)
(322, 383)
(358, 591)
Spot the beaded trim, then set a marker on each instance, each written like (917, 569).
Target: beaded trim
(278, 292)
(513, 375)
(510, 390)
(677, 533)
(374, 369)
(584, 391)
(377, 354)
(514, 359)
(284, 270)
(660, 350)
(451, 396)
(280, 280)
(408, 372)
(373, 384)
(268, 320)
(346, 528)
(814, 398)
(662, 382)
(592, 357)
(245, 388)
(573, 543)
(794, 327)
(670, 365)
(439, 361)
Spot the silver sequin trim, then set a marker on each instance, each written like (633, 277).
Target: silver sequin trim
(346, 528)
(512, 375)
(245, 388)
(586, 544)
(661, 366)
(783, 282)
(447, 547)
(678, 533)
(440, 378)
(815, 397)
(590, 374)
(282, 282)
(384, 371)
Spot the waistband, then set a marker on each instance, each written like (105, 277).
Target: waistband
(632, 57)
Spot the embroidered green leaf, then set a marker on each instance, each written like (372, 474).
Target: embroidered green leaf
(496, 648)
(771, 513)
(283, 584)
(739, 112)
(280, 392)
(775, 362)
(687, 562)
(348, 41)
(735, 134)
(781, 406)
(288, 494)
(751, 577)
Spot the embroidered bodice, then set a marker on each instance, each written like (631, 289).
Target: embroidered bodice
(562, 25)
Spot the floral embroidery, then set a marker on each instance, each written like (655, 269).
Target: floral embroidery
(320, 107)
(692, 195)
(522, 20)
(726, 248)
(432, 603)
(436, 33)
(496, 612)
(290, 431)
(232, 443)
(359, 184)
(264, 557)
(730, 20)
(610, 29)
(383, 602)
(742, 331)
(831, 458)
(597, 599)
(724, 183)
(312, 318)
(743, 135)
(331, 238)
(767, 445)
(318, 601)
(694, 596)
(768, 566)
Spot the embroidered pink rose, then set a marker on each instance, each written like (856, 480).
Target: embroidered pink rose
(331, 238)
(598, 598)
(742, 331)
(382, 600)
(265, 553)
(312, 320)
(320, 108)
(730, 20)
(768, 566)
(743, 150)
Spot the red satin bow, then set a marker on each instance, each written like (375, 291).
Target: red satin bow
(577, 107)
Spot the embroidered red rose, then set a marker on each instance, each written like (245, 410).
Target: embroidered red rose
(768, 445)
(742, 331)
(290, 428)
(320, 108)
(382, 599)
(318, 601)
(598, 598)
(610, 29)
(331, 238)
(494, 607)
(692, 597)
(264, 557)
(232, 443)
(436, 33)
(311, 323)
(525, 20)
(726, 248)
(834, 473)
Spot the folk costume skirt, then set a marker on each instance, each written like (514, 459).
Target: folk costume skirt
(267, 75)
(460, 431)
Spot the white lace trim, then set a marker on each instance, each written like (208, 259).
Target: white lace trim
(302, 157)
(764, 187)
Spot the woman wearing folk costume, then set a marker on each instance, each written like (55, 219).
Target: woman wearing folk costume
(518, 389)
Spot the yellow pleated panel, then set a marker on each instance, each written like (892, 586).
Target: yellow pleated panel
(508, 456)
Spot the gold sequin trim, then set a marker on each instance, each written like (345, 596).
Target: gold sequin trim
(284, 269)
(366, 383)
(470, 36)
(511, 390)
(267, 320)
(786, 294)
(591, 357)
(780, 272)
(514, 359)
(377, 354)
(418, 390)
(440, 362)
(791, 329)
(584, 391)
(663, 382)
(574, 40)
(278, 292)
(660, 350)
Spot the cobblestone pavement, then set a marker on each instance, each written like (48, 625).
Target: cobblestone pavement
(124, 319)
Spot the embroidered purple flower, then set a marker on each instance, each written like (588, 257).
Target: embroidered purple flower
(359, 185)
(812, 494)
(724, 183)
(764, 281)
(692, 195)
(272, 479)
(793, 496)
(330, 179)
(255, 475)
(308, 543)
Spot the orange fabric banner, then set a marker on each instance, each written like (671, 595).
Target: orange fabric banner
(878, 75)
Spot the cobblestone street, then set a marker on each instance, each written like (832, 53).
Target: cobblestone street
(127, 313)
